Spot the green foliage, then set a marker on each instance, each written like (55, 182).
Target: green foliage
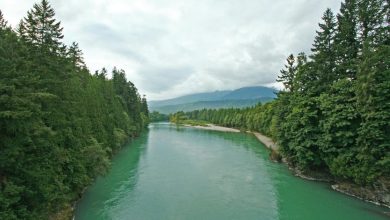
(287, 75)
(257, 118)
(59, 125)
(373, 100)
(217, 104)
(3, 22)
(339, 128)
(178, 117)
(157, 116)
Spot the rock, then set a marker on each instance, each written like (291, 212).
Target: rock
(377, 193)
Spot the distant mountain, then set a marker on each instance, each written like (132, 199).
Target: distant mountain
(239, 98)
(255, 92)
(167, 109)
(205, 96)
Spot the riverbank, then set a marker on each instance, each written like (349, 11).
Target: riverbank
(214, 128)
(379, 195)
(267, 141)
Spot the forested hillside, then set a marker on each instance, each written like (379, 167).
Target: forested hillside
(238, 98)
(334, 113)
(235, 103)
(59, 125)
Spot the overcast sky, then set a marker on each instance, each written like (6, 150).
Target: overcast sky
(175, 47)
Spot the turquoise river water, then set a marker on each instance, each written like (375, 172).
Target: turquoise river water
(182, 173)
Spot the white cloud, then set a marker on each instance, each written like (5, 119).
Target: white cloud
(169, 47)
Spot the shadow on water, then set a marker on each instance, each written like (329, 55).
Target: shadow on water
(120, 180)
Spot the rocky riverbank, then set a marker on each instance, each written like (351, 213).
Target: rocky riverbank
(378, 193)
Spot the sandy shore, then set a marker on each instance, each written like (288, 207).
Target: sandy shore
(268, 142)
(215, 128)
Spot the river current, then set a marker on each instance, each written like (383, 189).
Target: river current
(182, 173)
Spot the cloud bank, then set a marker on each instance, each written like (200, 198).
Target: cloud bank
(170, 48)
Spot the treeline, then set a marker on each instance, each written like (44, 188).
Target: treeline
(59, 125)
(334, 113)
(257, 118)
(156, 116)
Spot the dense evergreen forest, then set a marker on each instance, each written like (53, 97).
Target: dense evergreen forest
(59, 124)
(334, 113)
(155, 116)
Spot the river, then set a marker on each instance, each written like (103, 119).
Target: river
(182, 173)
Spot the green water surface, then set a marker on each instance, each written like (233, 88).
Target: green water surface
(184, 173)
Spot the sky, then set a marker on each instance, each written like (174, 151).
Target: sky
(170, 48)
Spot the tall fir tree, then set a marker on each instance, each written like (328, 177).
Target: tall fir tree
(324, 51)
(76, 56)
(373, 86)
(346, 43)
(287, 75)
(41, 28)
(3, 22)
(373, 22)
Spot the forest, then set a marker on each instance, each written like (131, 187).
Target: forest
(59, 123)
(333, 114)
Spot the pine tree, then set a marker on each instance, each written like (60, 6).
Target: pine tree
(372, 89)
(76, 56)
(339, 124)
(305, 78)
(41, 28)
(346, 43)
(287, 75)
(3, 22)
(374, 105)
(144, 105)
(373, 21)
(324, 52)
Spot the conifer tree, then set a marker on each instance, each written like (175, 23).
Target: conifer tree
(287, 75)
(373, 86)
(3, 22)
(144, 105)
(76, 55)
(323, 50)
(41, 28)
(346, 43)
(373, 21)
(305, 78)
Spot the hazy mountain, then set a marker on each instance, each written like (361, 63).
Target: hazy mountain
(205, 96)
(239, 98)
(255, 92)
(167, 109)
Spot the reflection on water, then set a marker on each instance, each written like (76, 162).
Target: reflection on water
(174, 172)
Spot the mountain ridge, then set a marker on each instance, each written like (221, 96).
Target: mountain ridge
(238, 98)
